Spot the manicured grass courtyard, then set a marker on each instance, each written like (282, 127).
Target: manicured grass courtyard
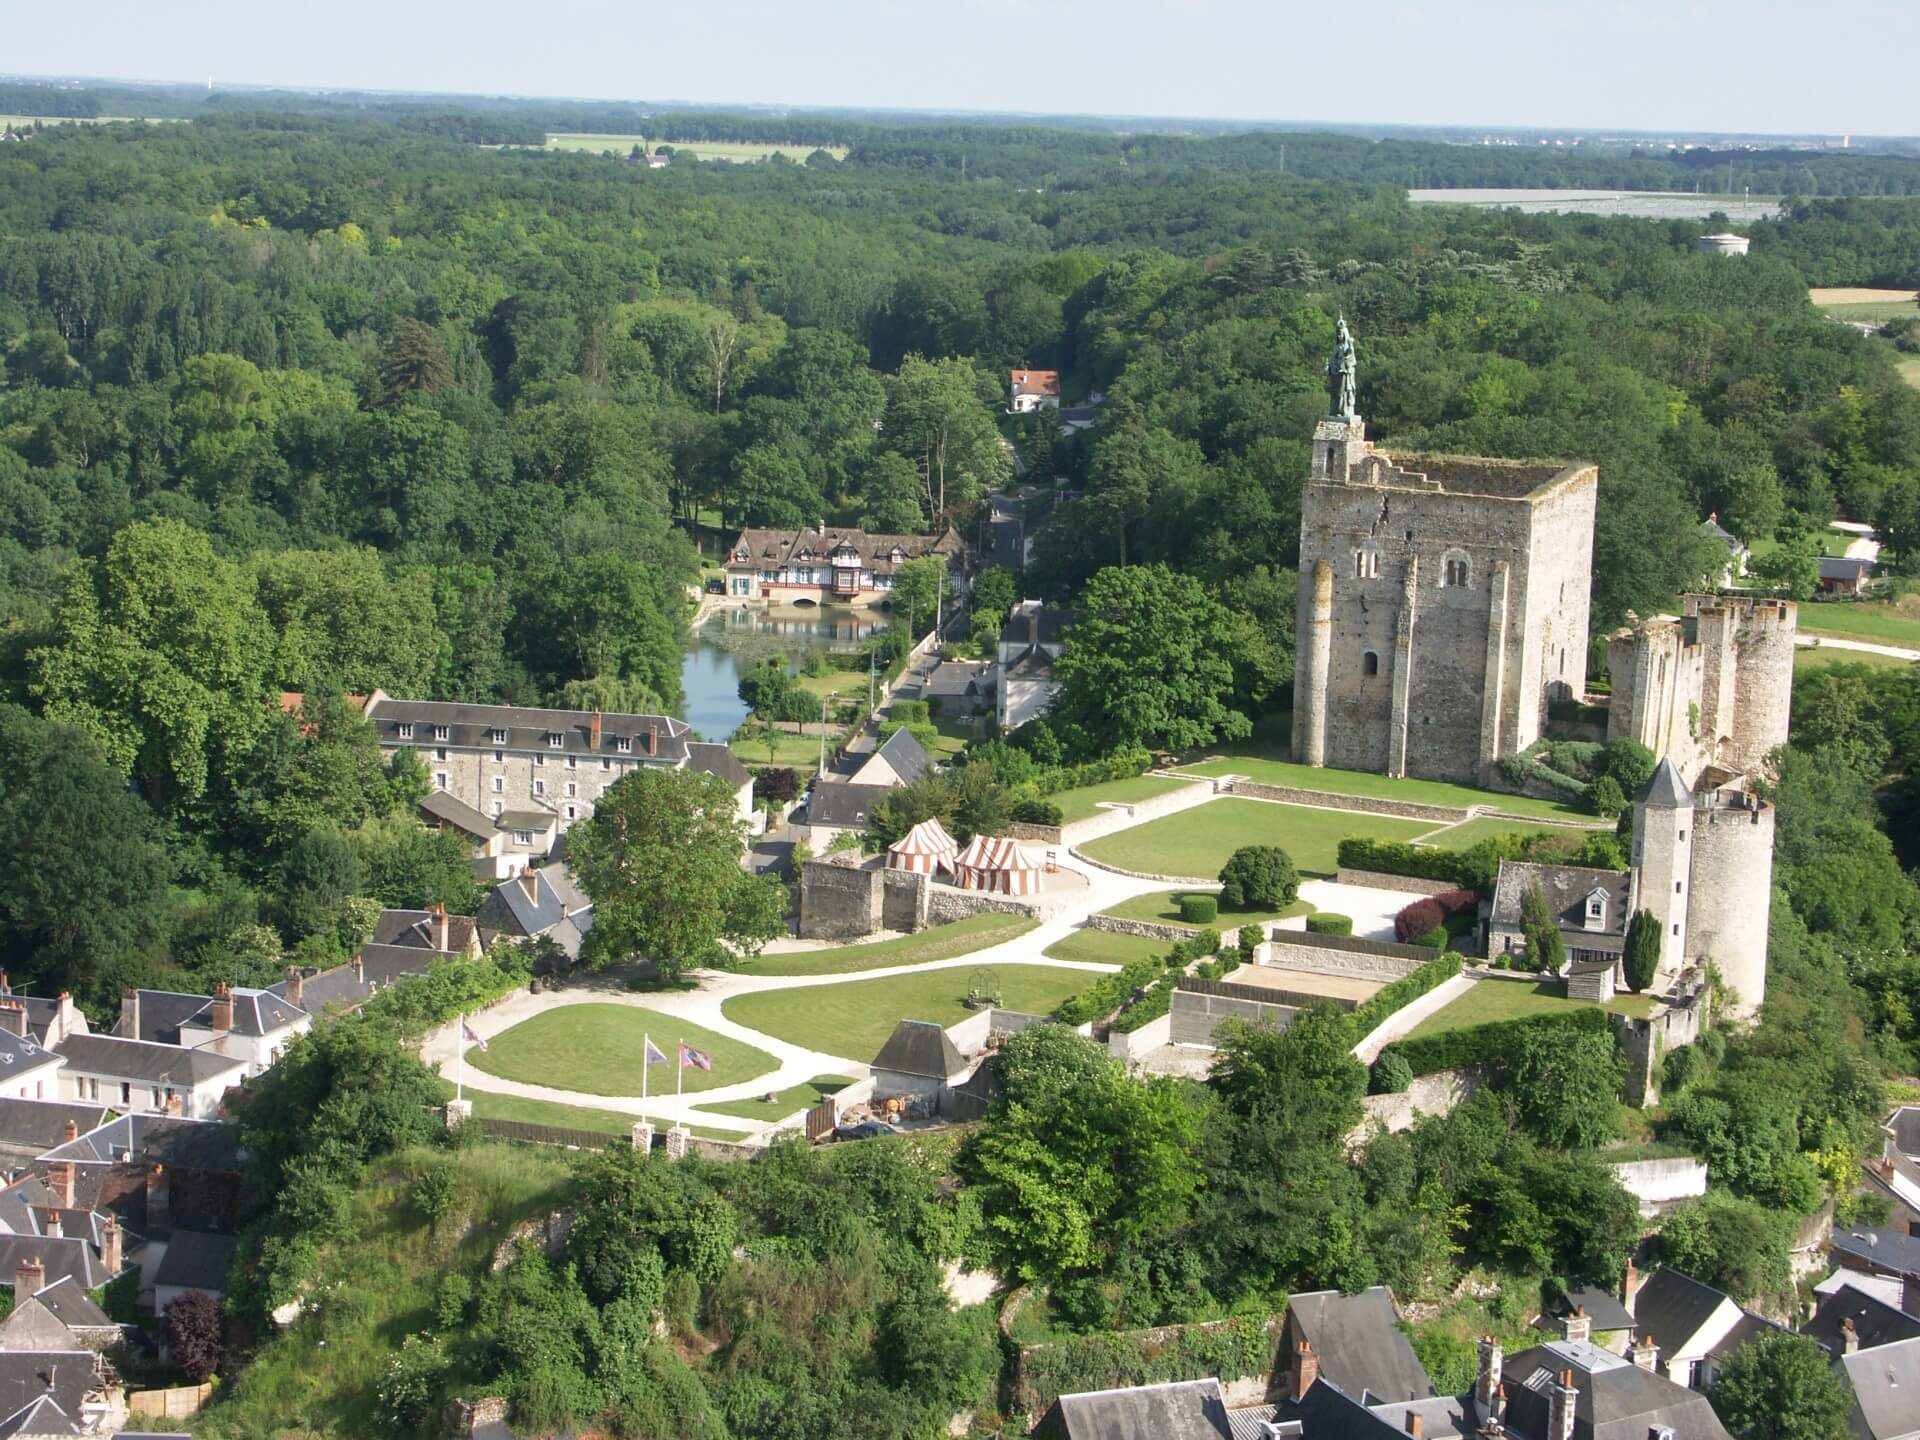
(1383, 787)
(794, 1097)
(1162, 907)
(855, 1018)
(488, 1106)
(1084, 803)
(1485, 827)
(1491, 1000)
(1878, 621)
(596, 1049)
(942, 942)
(1197, 842)
(1105, 947)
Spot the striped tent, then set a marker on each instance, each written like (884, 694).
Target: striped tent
(997, 863)
(925, 849)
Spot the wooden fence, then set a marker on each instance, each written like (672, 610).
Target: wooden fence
(567, 1135)
(175, 1404)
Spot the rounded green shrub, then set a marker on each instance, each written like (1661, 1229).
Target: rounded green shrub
(1198, 909)
(1391, 1075)
(1434, 939)
(1259, 877)
(1328, 923)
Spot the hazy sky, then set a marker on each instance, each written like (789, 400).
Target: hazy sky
(1760, 65)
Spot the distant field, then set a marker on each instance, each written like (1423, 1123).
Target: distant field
(1827, 296)
(697, 149)
(1819, 657)
(1882, 623)
(84, 120)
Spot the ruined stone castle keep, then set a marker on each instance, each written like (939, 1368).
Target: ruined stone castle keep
(1442, 606)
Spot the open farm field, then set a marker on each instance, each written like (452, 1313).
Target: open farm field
(735, 150)
(1827, 296)
(1886, 623)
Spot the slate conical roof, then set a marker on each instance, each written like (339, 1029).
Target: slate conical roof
(1666, 790)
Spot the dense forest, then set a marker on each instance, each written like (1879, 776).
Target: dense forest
(320, 402)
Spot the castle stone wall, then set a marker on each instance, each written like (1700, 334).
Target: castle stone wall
(838, 902)
(1732, 896)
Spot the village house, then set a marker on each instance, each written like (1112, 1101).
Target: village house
(139, 1075)
(836, 808)
(1031, 390)
(498, 846)
(29, 1128)
(540, 904)
(1031, 640)
(154, 1173)
(49, 1021)
(1590, 908)
(239, 1022)
(1733, 568)
(28, 1071)
(822, 566)
(900, 760)
(1844, 575)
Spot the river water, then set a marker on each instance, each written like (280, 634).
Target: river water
(735, 638)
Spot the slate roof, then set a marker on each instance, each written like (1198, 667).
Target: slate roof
(1885, 1381)
(160, 1014)
(255, 1013)
(197, 1260)
(1603, 1309)
(534, 820)
(1020, 629)
(958, 679)
(841, 805)
(1874, 1321)
(23, 1055)
(904, 755)
(717, 760)
(42, 1391)
(921, 1048)
(416, 928)
(555, 899)
(1566, 888)
(39, 1125)
(42, 1010)
(528, 728)
(1665, 790)
(171, 1140)
(1181, 1410)
(145, 1062)
(1904, 1126)
(62, 1257)
(1360, 1344)
(31, 1325)
(1891, 1251)
(771, 549)
(451, 810)
(1841, 567)
(72, 1306)
(1617, 1400)
(1326, 1412)
(1672, 1308)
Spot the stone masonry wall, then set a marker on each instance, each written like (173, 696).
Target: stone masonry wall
(903, 900)
(838, 902)
(1367, 804)
(944, 903)
(1196, 1014)
(1145, 929)
(1297, 950)
(1380, 880)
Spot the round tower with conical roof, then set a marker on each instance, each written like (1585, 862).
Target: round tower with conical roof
(1663, 855)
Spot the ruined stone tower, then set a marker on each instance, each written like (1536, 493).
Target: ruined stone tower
(1442, 605)
(1663, 854)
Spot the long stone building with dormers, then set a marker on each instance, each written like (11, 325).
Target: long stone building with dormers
(508, 760)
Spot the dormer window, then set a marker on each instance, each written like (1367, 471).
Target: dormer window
(741, 553)
(624, 744)
(404, 730)
(440, 732)
(555, 740)
(499, 737)
(1596, 912)
(898, 555)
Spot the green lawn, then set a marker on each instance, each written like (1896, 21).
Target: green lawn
(1163, 907)
(1491, 1000)
(1084, 802)
(1198, 841)
(1460, 837)
(835, 682)
(1909, 368)
(855, 1018)
(800, 751)
(1818, 657)
(596, 1049)
(1361, 782)
(954, 735)
(1878, 621)
(1105, 947)
(1874, 310)
(942, 942)
(488, 1106)
(795, 1097)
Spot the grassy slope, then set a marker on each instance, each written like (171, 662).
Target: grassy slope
(1084, 802)
(488, 1106)
(1361, 782)
(854, 1019)
(596, 1049)
(942, 942)
(379, 1280)
(1199, 841)
(1105, 947)
(1820, 657)
(1491, 1000)
(1163, 907)
(794, 1097)
(1881, 623)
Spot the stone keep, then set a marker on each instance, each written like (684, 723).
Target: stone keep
(1442, 606)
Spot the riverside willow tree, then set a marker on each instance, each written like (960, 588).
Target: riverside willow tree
(661, 860)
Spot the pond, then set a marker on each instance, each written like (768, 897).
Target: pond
(735, 638)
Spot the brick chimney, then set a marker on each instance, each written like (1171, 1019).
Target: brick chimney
(73, 1130)
(1306, 1369)
(29, 1279)
(13, 1017)
(296, 986)
(60, 1182)
(6, 985)
(1493, 1425)
(1488, 1383)
(55, 1229)
(1416, 1427)
(359, 970)
(1561, 1400)
(111, 1241)
(653, 738)
(593, 732)
(530, 882)
(441, 930)
(1630, 1287)
(172, 1107)
(1577, 1326)
(222, 1006)
(63, 1016)
(1646, 1354)
(130, 1014)
(1849, 1337)
(159, 1201)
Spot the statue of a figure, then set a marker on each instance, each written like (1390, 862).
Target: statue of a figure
(1340, 376)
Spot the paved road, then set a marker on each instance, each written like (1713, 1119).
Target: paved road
(1835, 642)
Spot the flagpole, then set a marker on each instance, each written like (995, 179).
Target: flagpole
(460, 1049)
(680, 1070)
(646, 1046)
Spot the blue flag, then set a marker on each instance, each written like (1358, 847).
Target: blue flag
(654, 1054)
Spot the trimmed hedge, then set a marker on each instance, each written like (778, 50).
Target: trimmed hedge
(1159, 997)
(1489, 1043)
(1109, 992)
(1037, 812)
(1121, 765)
(1403, 992)
(1199, 909)
(1434, 939)
(1397, 857)
(1326, 922)
(1113, 1360)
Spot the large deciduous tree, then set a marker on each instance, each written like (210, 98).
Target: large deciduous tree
(661, 860)
(1781, 1387)
(940, 416)
(1149, 661)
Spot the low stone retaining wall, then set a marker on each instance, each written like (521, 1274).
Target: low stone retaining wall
(1195, 881)
(1342, 955)
(1197, 791)
(945, 903)
(1435, 1094)
(1131, 1045)
(1381, 880)
(1366, 804)
(1039, 834)
(1145, 929)
(1193, 1015)
(1655, 1183)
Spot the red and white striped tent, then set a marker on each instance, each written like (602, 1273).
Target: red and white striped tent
(925, 849)
(997, 863)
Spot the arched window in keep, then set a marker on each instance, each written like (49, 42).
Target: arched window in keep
(1369, 663)
(1366, 564)
(1454, 570)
